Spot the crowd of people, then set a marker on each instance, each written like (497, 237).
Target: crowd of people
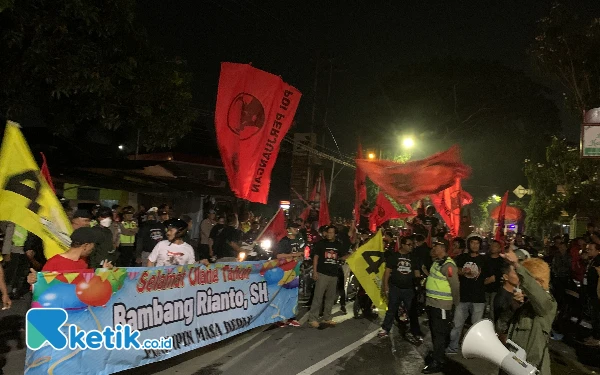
(526, 290)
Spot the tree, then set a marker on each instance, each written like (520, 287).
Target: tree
(83, 65)
(562, 183)
(567, 49)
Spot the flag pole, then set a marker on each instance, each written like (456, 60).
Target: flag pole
(266, 226)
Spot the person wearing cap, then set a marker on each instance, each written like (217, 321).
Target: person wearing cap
(163, 215)
(290, 248)
(129, 229)
(173, 251)
(442, 293)
(205, 227)
(149, 235)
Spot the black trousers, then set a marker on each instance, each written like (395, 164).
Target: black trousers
(413, 314)
(440, 327)
(126, 256)
(16, 273)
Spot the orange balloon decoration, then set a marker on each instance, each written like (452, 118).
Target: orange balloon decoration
(96, 292)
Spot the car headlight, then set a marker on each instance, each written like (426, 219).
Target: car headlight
(265, 244)
(241, 256)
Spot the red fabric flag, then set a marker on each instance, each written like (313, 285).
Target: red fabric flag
(306, 213)
(276, 228)
(323, 205)
(448, 203)
(410, 210)
(501, 216)
(383, 211)
(360, 187)
(408, 182)
(44, 171)
(255, 110)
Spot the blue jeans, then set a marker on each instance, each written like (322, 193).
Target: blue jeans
(460, 317)
(395, 297)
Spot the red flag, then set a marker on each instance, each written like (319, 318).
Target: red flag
(276, 228)
(501, 215)
(408, 182)
(448, 203)
(304, 215)
(384, 211)
(410, 210)
(46, 172)
(360, 187)
(323, 205)
(254, 111)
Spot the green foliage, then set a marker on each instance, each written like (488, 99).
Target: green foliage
(481, 218)
(82, 64)
(579, 179)
(567, 49)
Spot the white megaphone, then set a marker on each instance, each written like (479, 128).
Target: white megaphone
(481, 342)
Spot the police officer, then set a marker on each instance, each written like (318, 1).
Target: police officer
(128, 231)
(442, 294)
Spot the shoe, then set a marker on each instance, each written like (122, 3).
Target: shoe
(433, 367)
(383, 333)
(293, 323)
(330, 323)
(314, 324)
(451, 352)
(343, 309)
(280, 324)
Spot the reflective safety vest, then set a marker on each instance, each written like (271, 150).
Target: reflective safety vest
(93, 223)
(19, 236)
(437, 286)
(128, 240)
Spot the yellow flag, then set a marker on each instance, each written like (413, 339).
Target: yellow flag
(368, 265)
(25, 197)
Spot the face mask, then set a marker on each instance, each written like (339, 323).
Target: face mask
(106, 222)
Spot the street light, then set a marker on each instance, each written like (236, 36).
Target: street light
(371, 155)
(121, 147)
(408, 142)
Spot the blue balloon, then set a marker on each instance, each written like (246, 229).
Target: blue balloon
(62, 296)
(273, 275)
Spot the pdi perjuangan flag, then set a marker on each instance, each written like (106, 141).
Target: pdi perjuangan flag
(368, 265)
(193, 304)
(26, 199)
(255, 110)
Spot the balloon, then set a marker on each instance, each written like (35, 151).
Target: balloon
(292, 284)
(61, 296)
(273, 275)
(95, 292)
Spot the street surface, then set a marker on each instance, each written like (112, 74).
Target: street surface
(350, 348)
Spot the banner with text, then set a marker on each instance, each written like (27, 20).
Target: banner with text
(193, 304)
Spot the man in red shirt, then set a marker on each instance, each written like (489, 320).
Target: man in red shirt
(82, 244)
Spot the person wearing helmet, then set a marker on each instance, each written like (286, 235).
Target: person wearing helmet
(105, 248)
(173, 251)
(129, 229)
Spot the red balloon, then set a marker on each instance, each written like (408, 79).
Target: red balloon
(94, 292)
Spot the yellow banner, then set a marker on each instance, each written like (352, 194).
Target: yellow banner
(368, 265)
(25, 197)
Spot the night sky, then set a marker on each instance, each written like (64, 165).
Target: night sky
(365, 40)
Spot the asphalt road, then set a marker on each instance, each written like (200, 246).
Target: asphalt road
(350, 348)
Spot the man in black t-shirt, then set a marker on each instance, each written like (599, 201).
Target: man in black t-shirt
(214, 234)
(327, 255)
(494, 277)
(228, 243)
(423, 253)
(506, 301)
(472, 272)
(401, 268)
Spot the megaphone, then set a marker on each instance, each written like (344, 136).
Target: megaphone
(481, 342)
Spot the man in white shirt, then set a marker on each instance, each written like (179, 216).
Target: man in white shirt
(173, 251)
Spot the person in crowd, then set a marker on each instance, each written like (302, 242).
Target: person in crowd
(578, 265)
(532, 322)
(344, 270)
(105, 247)
(14, 254)
(472, 274)
(80, 219)
(173, 251)
(442, 294)
(458, 247)
(214, 234)
(423, 253)
(507, 301)
(389, 243)
(129, 229)
(163, 215)
(401, 269)
(322, 237)
(205, 227)
(116, 210)
(492, 282)
(561, 276)
(150, 234)
(290, 248)
(592, 290)
(327, 255)
(188, 234)
(140, 215)
(227, 246)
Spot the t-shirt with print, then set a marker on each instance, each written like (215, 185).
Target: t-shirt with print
(403, 268)
(166, 253)
(289, 246)
(329, 254)
(472, 288)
